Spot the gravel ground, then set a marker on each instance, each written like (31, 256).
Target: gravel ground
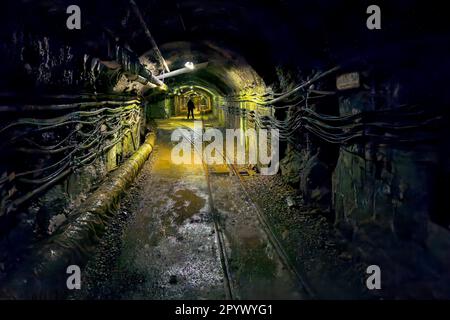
(256, 270)
(308, 238)
(319, 253)
(97, 275)
(126, 255)
(161, 245)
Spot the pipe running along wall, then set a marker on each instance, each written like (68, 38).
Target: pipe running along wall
(43, 273)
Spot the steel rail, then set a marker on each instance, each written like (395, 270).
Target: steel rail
(229, 290)
(268, 230)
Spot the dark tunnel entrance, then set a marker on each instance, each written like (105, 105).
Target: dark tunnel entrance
(318, 150)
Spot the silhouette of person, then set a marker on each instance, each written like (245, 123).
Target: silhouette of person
(190, 107)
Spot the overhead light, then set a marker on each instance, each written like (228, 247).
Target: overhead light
(189, 65)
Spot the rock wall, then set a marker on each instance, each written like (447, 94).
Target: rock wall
(51, 79)
(385, 188)
(42, 216)
(384, 195)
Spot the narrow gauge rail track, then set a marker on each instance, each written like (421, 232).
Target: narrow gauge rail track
(303, 285)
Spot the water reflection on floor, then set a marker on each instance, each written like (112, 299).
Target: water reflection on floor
(170, 249)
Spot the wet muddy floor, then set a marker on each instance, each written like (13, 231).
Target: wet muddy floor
(164, 243)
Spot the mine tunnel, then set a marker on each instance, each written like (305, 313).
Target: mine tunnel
(343, 172)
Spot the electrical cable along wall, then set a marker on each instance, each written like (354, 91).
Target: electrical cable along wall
(72, 122)
(318, 119)
(371, 155)
(384, 126)
(58, 142)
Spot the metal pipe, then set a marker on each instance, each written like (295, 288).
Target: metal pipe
(44, 265)
(181, 71)
(132, 68)
(149, 35)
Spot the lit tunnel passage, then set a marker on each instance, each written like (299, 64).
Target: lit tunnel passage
(87, 176)
(218, 74)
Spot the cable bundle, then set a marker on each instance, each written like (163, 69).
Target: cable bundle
(65, 143)
(401, 125)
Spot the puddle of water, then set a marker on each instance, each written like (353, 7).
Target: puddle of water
(187, 203)
(170, 249)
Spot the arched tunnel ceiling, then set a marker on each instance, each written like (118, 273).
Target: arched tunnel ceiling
(225, 73)
(299, 35)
